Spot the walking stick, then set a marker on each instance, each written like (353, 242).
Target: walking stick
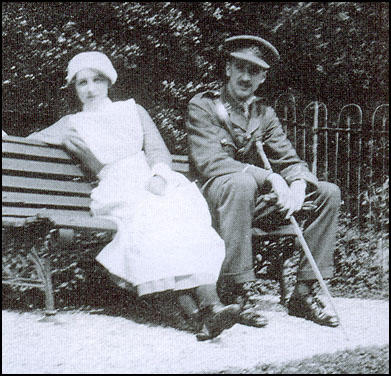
(304, 245)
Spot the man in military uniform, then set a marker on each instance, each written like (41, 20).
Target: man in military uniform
(239, 151)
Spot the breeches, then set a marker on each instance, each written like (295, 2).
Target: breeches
(232, 200)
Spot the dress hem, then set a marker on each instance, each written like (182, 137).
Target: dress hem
(176, 283)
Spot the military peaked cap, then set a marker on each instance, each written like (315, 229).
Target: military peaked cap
(253, 49)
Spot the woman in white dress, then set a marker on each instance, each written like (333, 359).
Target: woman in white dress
(165, 240)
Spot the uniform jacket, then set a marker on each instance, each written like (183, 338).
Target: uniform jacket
(214, 152)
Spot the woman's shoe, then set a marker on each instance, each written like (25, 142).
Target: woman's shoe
(196, 321)
(217, 318)
(190, 311)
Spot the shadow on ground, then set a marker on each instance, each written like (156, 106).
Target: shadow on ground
(99, 295)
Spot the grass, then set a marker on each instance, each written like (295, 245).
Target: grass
(363, 360)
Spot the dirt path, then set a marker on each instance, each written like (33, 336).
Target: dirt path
(86, 343)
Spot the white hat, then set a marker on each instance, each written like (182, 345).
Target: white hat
(91, 60)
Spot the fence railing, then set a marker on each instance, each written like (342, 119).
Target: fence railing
(351, 152)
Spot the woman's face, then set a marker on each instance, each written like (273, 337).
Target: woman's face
(91, 86)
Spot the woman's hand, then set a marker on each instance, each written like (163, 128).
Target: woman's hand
(156, 185)
(76, 146)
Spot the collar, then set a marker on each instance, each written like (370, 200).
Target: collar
(234, 103)
(97, 106)
(236, 110)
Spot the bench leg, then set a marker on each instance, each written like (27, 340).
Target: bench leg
(284, 280)
(281, 264)
(286, 271)
(43, 269)
(30, 268)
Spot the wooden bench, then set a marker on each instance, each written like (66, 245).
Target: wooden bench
(46, 192)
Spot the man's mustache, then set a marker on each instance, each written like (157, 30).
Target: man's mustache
(244, 83)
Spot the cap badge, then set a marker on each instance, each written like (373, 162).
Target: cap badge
(255, 51)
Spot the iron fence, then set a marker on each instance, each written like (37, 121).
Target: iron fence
(351, 152)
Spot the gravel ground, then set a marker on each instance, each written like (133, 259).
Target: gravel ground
(90, 343)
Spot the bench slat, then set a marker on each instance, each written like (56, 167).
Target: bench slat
(67, 221)
(24, 140)
(180, 158)
(283, 230)
(49, 168)
(46, 185)
(43, 200)
(31, 212)
(34, 151)
(180, 167)
(92, 223)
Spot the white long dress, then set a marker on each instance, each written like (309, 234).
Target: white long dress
(162, 242)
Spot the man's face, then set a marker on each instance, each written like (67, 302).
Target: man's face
(244, 78)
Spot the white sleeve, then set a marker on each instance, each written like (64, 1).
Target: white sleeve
(53, 135)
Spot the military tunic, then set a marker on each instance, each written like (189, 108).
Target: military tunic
(214, 150)
(232, 174)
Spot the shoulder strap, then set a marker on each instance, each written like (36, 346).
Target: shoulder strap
(223, 116)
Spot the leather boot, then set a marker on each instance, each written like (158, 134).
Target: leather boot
(311, 308)
(216, 318)
(250, 313)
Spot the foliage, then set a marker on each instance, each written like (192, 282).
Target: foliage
(362, 253)
(362, 360)
(165, 52)
(376, 199)
(342, 42)
(360, 259)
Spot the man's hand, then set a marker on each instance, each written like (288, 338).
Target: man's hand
(298, 188)
(75, 145)
(286, 201)
(156, 185)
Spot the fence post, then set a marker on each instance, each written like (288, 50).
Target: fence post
(314, 132)
(347, 129)
(379, 245)
(285, 118)
(304, 131)
(315, 126)
(289, 111)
